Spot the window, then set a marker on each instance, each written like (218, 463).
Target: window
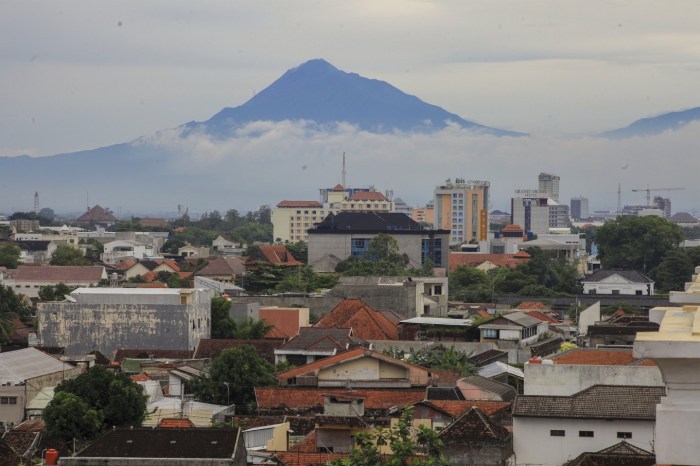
(12, 400)
(489, 333)
(585, 433)
(624, 435)
(557, 433)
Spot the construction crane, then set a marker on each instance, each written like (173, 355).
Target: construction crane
(649, 190)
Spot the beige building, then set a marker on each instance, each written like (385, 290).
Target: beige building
(28, 279)
(462, 207)
(291, 220)
(423, 214)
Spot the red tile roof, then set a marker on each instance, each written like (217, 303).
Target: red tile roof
(457, 408)
(600, 357)
(304, 398)
(532, 305)
(355, 353)
(475, 259)
(228, 266)
(543, 317)
(367, 196)
(126, 264)
(97, 214)
(176, 423)
(309, 459)
(338, 187)
(143, 377)
(366, 323)
(59, 273)
(153, 222)
(314, 204)
(278, 254)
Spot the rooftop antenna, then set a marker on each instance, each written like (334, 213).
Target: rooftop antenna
(87, 199)
(36, 202)
(343, 182)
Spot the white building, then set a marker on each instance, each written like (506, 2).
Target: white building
(624, 282)
(115, 251)
(550, 184)
(551, 430)
(536, 212)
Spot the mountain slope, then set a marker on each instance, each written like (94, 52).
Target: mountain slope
(656, 125)
(319, 92)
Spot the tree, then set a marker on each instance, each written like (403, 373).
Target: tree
(409, 446)
(637, 243)
(54, 293)
(300, 251)
(118, 400)
(676, 268)
(9, 255)
(11, 308)
(382, 257)
(69, 417)
(222, 326)
(242, 369)
(68, 255)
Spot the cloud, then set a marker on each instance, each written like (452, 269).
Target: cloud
(268, 162)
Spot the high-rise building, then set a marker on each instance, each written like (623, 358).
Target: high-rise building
(663, 204)
(550, 184)
(462, 207)
(536, 213)
(579, 207)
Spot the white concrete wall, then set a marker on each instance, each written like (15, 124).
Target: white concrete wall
(534, 446)
(567, 379)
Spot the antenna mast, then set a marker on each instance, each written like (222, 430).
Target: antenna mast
(343, 179)
(36, 202)
(619, 198)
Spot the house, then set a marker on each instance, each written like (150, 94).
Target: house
(360, 368)
(489, 356)
(622, 453)
(624, 282)
(223, 246)
(275, 255)
(188, 251)
(312, 344)
(435, 328)
(223, 269)
(305, 400)
(23, 374)
(106, 319)
(514, 329)
(28, 279)
(619, 329)
(365, 322)
(33, 252)
(348, 234)
(97, 215)
(590, 420)
(148, 267)
(118, 250)
(579, 368)
(474, 438)
(438, 414)
(155, 447)
(285, 320)
(476, 387)
(487, 261)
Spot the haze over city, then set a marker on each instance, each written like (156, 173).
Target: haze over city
(80, 76)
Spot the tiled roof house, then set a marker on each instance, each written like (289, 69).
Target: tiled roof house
(365, 322)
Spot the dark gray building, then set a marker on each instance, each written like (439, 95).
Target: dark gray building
(348, 234)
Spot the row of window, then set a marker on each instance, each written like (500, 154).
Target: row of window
(8, 400)
(587, 433)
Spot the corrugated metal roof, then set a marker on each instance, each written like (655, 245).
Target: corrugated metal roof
(497, 368)
(438, 321)
(18, 366)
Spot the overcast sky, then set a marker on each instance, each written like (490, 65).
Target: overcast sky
(83, 74)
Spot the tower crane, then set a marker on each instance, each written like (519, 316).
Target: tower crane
(649, 190)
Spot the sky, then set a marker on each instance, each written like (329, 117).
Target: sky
(78, 75)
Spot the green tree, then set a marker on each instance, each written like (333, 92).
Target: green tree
(9, 255)
(11, 308)
(252, 329)
(113, 395)
(68, 255)
(222, 325)
(69, 417)
(409, 446)
(242, 369)
(637, 243)
(676, 268)
(382, 257)
(300, 251)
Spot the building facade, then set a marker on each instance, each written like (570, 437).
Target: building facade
(349, 234)
(536, 212)
(550, 184)
(106, 319)
(579, 208)
(462, 208)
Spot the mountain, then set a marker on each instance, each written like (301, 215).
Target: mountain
(656, 125)
(319, 92)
